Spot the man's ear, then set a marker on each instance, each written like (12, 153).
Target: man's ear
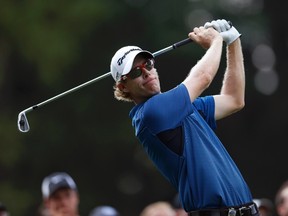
(122, 87)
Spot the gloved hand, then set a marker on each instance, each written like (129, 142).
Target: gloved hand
(231, 35)
(219, 25)
(227, 31)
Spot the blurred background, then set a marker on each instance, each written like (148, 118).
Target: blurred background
(48, 47)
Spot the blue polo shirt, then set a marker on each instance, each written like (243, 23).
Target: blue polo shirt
(203, 173)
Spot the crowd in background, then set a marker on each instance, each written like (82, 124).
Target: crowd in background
(61, 198)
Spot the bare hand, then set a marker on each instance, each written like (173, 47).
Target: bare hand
(204, 37)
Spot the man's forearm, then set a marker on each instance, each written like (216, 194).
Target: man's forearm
(202, 74)
(234, 78)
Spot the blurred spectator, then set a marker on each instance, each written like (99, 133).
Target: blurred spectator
(265, 206)
(159, 208)
(3, 210)
(60, 195)
(281, 200)
(178, 207)
(104, 211)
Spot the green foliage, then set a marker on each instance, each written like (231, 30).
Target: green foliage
(10, 146)
(49, 33)
(16, 200)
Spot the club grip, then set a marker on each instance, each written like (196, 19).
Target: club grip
(181, 43)
(188, 40)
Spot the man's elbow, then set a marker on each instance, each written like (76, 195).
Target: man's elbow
(239, 105)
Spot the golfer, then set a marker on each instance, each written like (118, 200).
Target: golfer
(176, 127)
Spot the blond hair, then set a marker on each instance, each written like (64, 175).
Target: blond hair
(121, 95)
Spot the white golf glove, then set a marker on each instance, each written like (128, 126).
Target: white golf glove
(227, 31)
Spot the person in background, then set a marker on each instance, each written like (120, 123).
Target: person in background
(60, 195)
(265, 206)
(3, 210)
(281, 199)
(159, 208)
(177, 127)
(104, 210)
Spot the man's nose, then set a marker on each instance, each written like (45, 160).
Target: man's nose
(146, 72)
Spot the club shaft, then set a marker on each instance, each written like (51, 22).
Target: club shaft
(174, 46)
(22, 122)
(70, 91)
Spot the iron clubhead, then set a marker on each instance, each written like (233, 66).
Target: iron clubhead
(23, 124)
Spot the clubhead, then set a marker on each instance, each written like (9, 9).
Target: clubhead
(22, 123)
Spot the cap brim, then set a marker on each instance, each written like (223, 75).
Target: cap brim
(129, 63)
(60, 187)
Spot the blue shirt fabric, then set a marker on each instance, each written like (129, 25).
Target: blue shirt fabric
(204, 175)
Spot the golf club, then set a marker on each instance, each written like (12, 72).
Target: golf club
(22, 121)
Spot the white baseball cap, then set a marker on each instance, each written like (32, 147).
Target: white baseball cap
(122, 61)
(56, 181)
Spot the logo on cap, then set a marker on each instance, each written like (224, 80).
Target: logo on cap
(120, 60)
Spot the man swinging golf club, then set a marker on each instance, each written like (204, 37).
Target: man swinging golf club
(176, 127)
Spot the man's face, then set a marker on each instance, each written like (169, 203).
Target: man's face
(64, 202)
(3, 213)
(282, 209)
(145, 85)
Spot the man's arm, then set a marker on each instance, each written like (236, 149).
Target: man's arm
(202, 74)
(232, 95)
